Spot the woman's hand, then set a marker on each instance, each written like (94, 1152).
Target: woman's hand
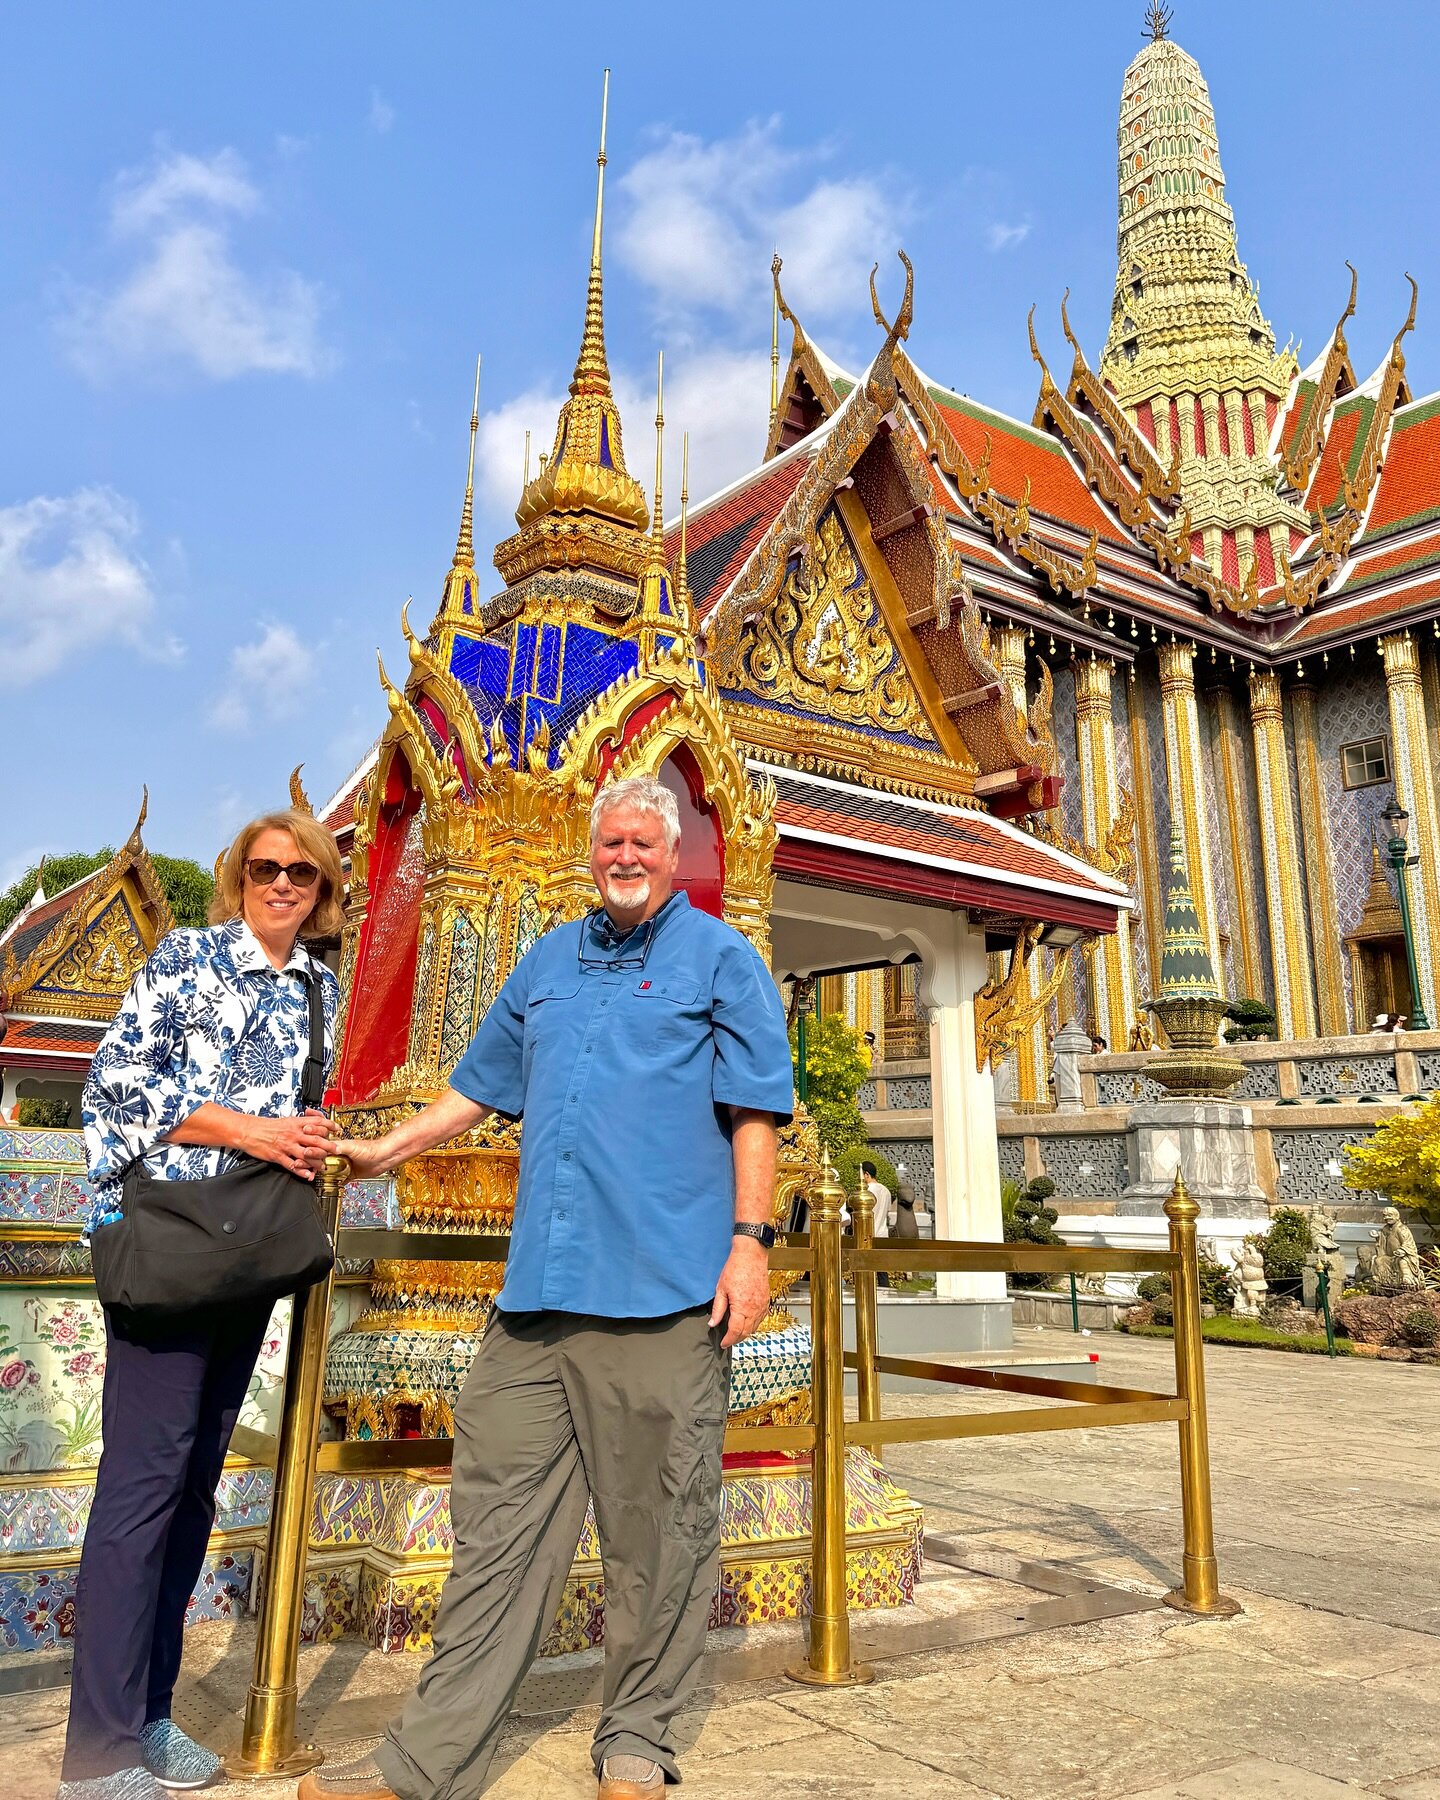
(299, 1145)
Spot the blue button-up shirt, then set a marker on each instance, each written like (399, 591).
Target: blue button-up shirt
(624, 1076)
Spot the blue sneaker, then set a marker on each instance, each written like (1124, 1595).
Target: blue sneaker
(174, 1760)
(124, 1784)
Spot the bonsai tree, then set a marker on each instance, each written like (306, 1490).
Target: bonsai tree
(1251, 1021)
(1029, 1220)
(45, 1115)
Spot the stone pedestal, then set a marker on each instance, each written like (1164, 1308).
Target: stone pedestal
(1210, 1142)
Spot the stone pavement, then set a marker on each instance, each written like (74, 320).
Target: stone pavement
(1326, 1491)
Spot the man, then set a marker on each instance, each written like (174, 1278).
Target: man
(644, 1046)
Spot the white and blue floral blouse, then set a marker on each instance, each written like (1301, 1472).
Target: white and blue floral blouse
(209, 1017)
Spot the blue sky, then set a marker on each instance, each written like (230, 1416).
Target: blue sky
(250, 255)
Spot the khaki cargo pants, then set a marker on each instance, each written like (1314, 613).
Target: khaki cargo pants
(558, 1406)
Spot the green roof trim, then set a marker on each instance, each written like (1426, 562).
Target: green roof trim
(984, 415)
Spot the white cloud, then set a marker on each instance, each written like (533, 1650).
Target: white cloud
(381, 116)
(700, 220)
(269, 680)
(70, 573)
(1000, 236)
(186, 297)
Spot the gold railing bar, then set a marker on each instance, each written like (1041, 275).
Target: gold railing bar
(1032, 1258)
(1045, 1387)
(1012, 1424)
(255, 1446)
(750, 1438)
(371, 1241)
(376, 1456)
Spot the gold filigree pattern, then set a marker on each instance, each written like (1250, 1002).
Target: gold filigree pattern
(1006, 1009)
(823, 644)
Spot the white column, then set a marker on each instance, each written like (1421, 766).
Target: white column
(967, 1157)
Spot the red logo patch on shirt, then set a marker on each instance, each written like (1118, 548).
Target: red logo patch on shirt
(643, 986)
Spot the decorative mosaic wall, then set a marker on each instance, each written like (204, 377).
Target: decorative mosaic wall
(1126, 1088)
(1309, 1163)
(1348, 1075)
(1012, 1159)
(1120, 692)
(1351, 704)
(1091, 1167)
(1225, 901)
(909, 1092)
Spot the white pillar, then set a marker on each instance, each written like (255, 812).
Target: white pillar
(967, 1156)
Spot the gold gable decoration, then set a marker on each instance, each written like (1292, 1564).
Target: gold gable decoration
(822, 643)
(82, 967)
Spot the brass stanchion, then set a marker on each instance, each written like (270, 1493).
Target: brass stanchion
(829, 1663)
(1201, 1592)
(267, 1745)
(867, 1324)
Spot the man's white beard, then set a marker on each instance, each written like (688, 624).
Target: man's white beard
(627, 894)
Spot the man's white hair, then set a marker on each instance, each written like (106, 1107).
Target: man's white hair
(643, 793)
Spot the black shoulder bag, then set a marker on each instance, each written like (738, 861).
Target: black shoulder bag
(251, 1234)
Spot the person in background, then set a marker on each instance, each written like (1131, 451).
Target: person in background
(200, 1067)
(880, 1204)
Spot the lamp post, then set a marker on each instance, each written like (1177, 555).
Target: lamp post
(1398, 821)
(804, 1001)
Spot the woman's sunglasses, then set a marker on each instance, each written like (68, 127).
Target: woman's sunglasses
(263, 872)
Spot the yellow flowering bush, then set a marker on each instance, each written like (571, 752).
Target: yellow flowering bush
(1402, 1161)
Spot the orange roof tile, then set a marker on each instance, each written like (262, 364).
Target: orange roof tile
(1055, 488)
(1410, 479)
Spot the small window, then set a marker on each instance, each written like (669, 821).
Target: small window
(1364, 764)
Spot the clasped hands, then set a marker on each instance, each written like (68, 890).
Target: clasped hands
(299, 1145)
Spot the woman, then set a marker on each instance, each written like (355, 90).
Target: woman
(200, 1066)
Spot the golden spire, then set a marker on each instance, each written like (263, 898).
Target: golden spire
(584, 507)
(774, 337)
(465, 543)
(526, 480)
(657, 527)
(682, 567)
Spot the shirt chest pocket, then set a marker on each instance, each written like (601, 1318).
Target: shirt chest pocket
(663, 1009)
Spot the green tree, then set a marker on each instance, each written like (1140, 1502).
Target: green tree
(1286, 1244)
(1027, 1219)
(187, 886)
(835, 1065)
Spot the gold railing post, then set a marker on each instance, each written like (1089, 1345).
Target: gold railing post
(267, 1745)
(867, 1324)
(1201, 1592)
(829, 1663)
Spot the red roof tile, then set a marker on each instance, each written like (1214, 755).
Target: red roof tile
(721, 537)
(1055, 488)
(1415, 554)
(1410, 479)
(1340, 442)
(50, 1034)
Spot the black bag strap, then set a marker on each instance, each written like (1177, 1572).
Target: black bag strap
(312, 1076)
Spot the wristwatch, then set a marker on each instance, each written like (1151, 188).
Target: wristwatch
(763, 1234)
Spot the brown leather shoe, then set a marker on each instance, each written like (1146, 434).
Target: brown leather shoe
(359, 1779)
(612, 1788)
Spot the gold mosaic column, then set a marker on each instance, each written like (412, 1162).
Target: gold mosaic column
(1231, 739)
(1319, 876)
(1415, 790)
(1280, 854)
(1031, 1070)
(1147, 860)
(1185, 771)
(1112, 973)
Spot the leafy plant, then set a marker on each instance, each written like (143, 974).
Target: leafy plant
(1286, 1245)
(1420, 1328)
(187, 886)
(1215, 1289)
(43, 1115)
(1402, 1162)
(1250, 1021)
(835, 1064)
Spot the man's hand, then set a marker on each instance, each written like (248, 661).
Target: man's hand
(366, 1156)
(742, 1294)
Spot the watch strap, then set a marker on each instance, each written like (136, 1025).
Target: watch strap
(764, 1234)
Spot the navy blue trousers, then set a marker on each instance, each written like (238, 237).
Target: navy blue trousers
(170, 1405)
